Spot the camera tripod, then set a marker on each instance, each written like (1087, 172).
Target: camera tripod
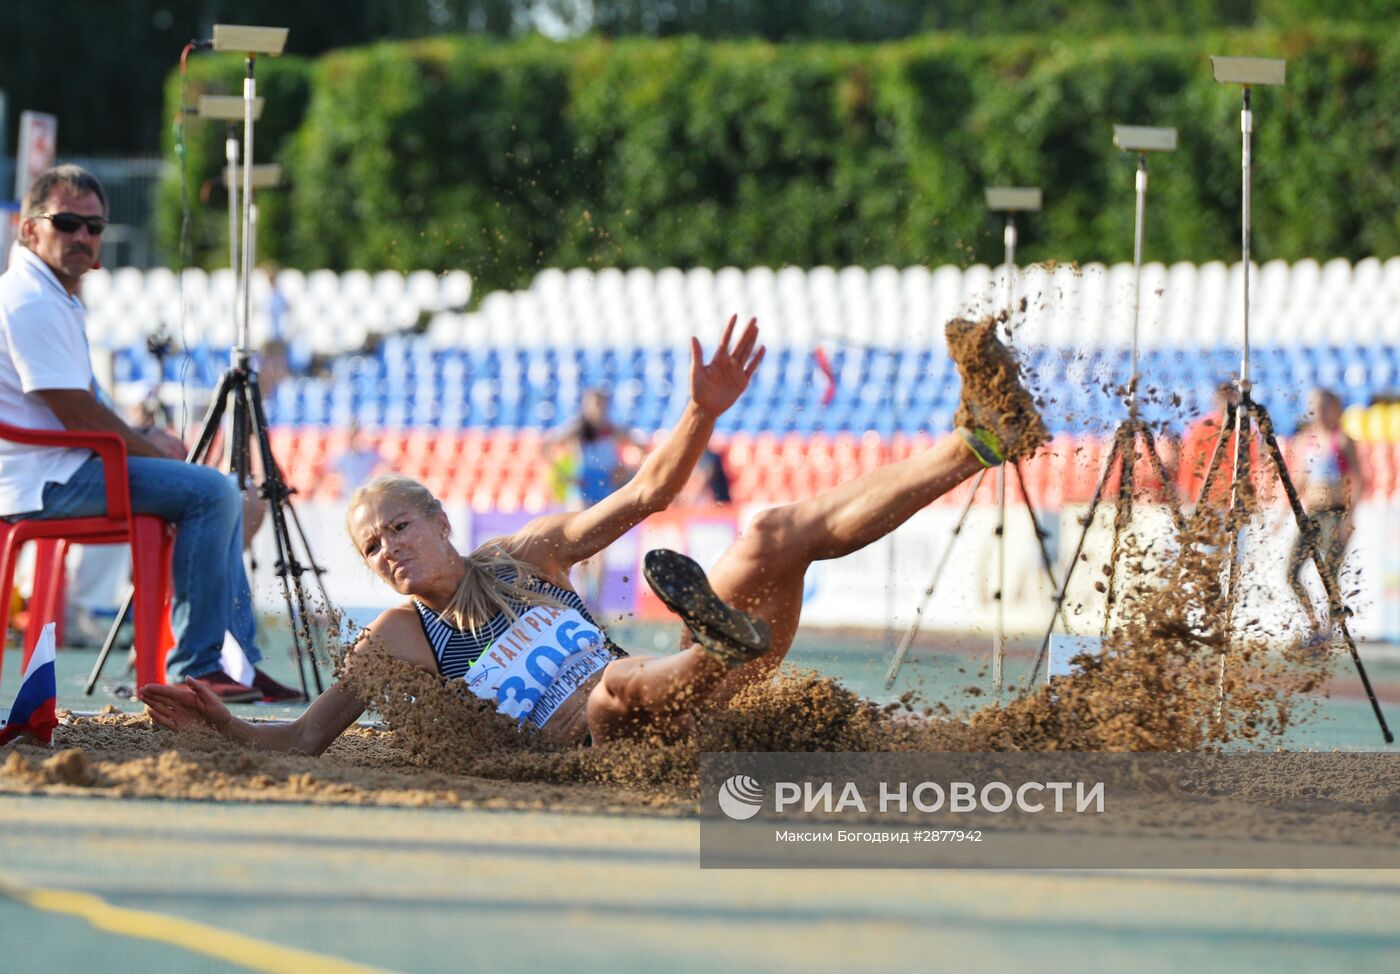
(239, 386)
(1123, 455)
(1239, 421)
(248, 420)
(1046, 562)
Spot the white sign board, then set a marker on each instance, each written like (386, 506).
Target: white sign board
(38, 144)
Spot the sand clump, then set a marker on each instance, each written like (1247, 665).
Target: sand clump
(993, 389)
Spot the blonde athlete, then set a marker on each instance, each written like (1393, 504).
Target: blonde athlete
(506, 621)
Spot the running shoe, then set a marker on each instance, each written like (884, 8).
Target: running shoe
(726, 633)
(997, 416)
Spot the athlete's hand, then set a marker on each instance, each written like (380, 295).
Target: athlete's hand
(184, 705)
(714, 386)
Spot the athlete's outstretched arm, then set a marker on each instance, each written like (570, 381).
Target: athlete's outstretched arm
(193, 705)
(558, 541)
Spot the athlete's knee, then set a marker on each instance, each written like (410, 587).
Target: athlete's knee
(770, 535)
(604, 707)
(620, 687)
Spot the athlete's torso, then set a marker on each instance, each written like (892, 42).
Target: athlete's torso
(531, 666)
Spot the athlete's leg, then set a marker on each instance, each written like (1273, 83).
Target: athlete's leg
(652, 695)
(656, 696)
(762, 572)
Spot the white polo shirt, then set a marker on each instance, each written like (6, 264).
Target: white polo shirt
(43, 345)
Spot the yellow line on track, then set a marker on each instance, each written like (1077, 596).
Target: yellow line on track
(199, 938)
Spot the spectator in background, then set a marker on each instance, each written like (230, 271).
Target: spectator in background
(273, 367)
(278, 310)
(274, 363)
(1329, 479)
(708, 484)
(597, 445)
(358, 463)
(589, 452)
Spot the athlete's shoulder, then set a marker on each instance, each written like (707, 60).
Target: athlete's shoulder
(398, 632)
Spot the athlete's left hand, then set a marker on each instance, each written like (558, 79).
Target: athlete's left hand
(716, 385)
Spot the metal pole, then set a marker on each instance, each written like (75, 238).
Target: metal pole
(231, 154)
(250, 92)
(1139, 221)
(999, 634)
(1246, 131)
(1238, 496)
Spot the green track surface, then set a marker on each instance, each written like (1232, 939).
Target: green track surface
(443, 890)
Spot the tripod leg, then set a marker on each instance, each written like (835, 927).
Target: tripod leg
(1241, 503)
(317, 572)
(1329, 581)
(209, 428)
(1168, 484)
(288, 567)
(1046, 561)
(108, 643)
(238, 448)
(1122, 516)
(1217, 456)
(897, 660)
(1088, 522)
(1241, 496)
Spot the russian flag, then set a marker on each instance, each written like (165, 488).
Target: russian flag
(34, 710)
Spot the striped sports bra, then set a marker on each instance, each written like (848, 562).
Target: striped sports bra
(529, 665)
(457, 649)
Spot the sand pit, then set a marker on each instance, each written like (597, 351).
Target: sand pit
(449, 749)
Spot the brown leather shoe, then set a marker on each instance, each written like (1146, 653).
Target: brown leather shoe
(272, 691)
(227, 689)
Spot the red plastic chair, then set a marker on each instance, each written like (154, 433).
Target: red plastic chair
(151, 539)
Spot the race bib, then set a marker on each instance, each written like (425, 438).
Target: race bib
(536, 664)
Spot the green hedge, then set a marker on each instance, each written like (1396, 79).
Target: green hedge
(505, 158)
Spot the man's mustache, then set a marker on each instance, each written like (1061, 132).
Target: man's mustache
(78, 249)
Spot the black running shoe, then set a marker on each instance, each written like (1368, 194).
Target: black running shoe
(726, 633)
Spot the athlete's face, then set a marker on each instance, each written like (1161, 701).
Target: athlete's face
(408, 549)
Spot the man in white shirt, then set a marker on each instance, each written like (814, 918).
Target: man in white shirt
(46, 382)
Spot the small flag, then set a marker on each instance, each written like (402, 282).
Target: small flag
(824, 366)
(35, 708)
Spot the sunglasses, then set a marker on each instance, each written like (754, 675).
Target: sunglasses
(70, 222)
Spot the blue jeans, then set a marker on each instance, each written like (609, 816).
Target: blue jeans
(211, 592)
